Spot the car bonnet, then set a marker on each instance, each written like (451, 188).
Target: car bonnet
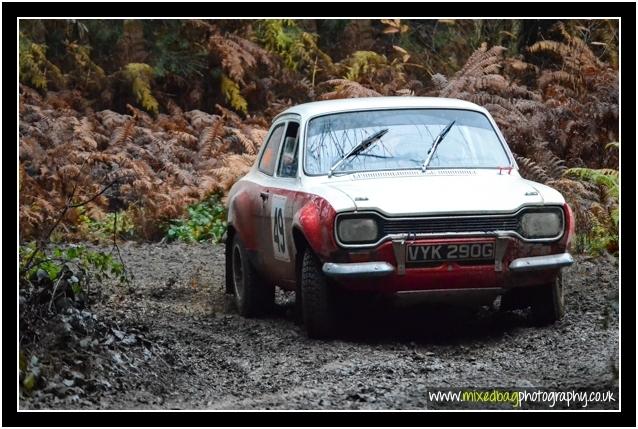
(471, 191)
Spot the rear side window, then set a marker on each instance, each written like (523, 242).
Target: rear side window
(288, 159)
(269, 157)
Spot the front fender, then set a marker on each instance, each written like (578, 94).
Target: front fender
(315, 219)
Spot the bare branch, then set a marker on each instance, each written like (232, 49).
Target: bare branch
(45, 239)
(104, 189)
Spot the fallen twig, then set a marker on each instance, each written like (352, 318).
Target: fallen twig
(55, 288)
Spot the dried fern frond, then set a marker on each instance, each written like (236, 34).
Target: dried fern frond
(554, 165)
(439, 81)
(84, 132)
(186, 139)
(210, 134)
(234, 167)
(482, 61)
(123, 134)
(344, 88)
(111, 119)
(531, 170)
(200, 120)
(228, 115)
(260, 55)
(248, 146)
(578, 61)
(234, 59)
(557, 77)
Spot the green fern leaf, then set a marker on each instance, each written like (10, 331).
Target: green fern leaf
(140, 76)
(230, 89)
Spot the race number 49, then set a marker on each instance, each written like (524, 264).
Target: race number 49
(278, 228)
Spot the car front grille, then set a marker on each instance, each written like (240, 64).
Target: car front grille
(474, 224)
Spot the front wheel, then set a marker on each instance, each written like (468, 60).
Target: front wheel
(317, 299)
(253, 298)
(548, 302)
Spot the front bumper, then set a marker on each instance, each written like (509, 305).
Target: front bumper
(516, 264)
(358, 269)
(381, 269)
(547, 262)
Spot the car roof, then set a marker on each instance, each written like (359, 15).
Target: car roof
(400, 102)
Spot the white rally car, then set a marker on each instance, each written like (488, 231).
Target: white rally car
(393, 196)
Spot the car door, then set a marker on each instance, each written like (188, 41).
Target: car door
(280, 205)
(264, 182)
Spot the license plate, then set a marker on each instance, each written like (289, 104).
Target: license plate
(432, 254)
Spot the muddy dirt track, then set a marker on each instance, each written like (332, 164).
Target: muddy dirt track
(173, 340)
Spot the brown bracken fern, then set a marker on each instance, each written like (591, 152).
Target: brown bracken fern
(167, 164)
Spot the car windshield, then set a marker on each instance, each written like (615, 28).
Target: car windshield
(470, 143)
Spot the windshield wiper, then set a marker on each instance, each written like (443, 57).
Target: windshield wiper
(363, 145)
(435, 145)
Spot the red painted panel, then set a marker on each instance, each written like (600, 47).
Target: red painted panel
(570, 227)
(316, 218)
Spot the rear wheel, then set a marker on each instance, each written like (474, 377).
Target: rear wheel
(318, 300)
(253, 298)
(548, 302)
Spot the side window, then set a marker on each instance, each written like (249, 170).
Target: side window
(269, 157)
(288, 160)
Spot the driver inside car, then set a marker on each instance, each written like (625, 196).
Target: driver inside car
(289, 158)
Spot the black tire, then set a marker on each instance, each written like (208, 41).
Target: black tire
(318, 300)
(298, 310)
(252, 297)
(548, 302)
(229, 287)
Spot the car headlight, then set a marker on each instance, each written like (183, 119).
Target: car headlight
(358, 230)
(542, 224)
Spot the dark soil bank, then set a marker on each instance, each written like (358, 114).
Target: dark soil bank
(174, 340)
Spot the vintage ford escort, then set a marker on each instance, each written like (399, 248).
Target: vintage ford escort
(393, 195)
